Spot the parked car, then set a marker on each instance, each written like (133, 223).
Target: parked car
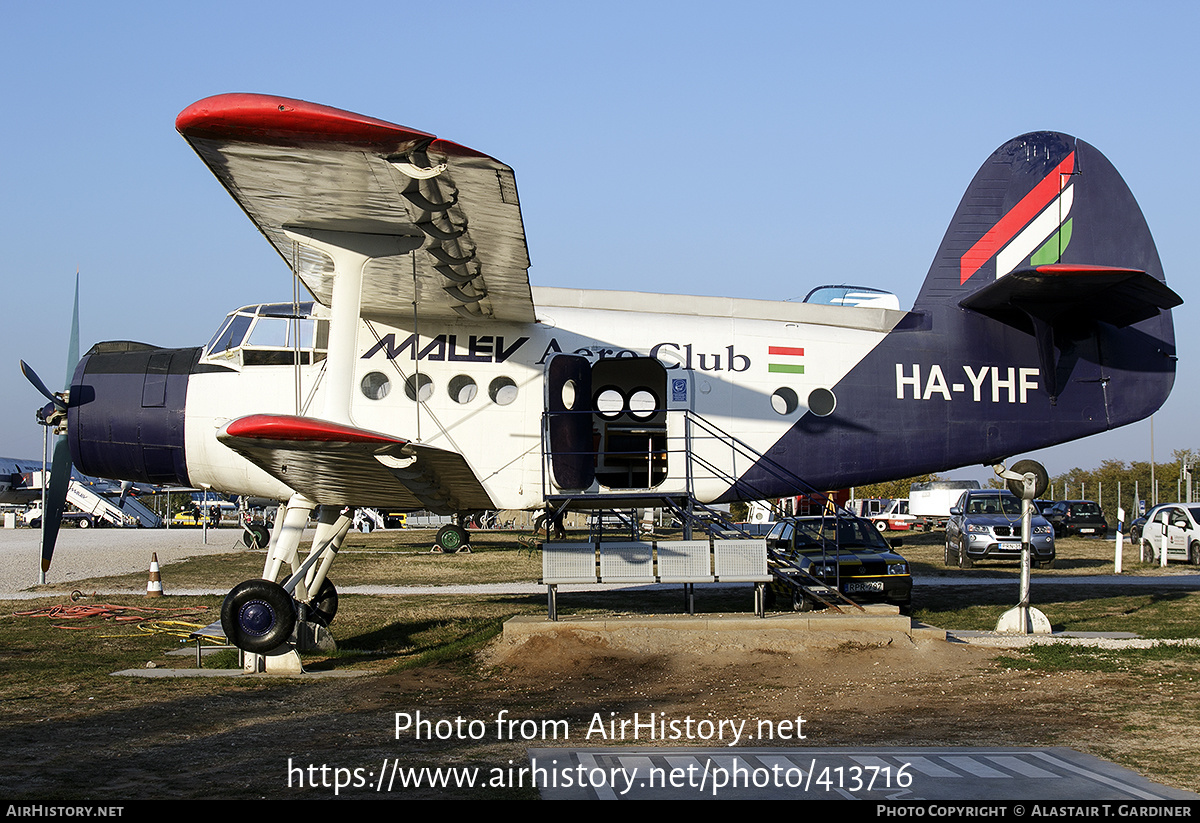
(846, 553)
(189, 518)
(1081, 517)
(1135, 528)
(1178, 526)
(986, 525)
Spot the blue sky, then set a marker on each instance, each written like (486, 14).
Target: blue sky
(753, 149)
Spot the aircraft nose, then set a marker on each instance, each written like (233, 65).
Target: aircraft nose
(126, 414)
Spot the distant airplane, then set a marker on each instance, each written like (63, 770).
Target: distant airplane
(14, 481)
(426, 373)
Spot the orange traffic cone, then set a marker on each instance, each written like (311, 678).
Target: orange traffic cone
(154, 584)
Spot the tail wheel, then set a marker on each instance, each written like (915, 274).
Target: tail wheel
(324, 605)
(258, 616)
(451, 538)
(1041, 481)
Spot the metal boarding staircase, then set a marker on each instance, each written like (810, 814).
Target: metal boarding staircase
(694, 514)
(126, 511)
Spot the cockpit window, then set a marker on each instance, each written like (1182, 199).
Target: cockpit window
(231, 334)
(267, 334)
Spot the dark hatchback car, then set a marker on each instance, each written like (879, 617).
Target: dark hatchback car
(846, 553)
(1081, 517)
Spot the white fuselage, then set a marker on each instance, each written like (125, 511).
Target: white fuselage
(750, 368)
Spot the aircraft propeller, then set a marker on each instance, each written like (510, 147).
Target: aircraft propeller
(54, 501)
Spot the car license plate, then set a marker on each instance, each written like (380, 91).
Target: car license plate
(864, 586)
(1086, 531)
(1010, 546)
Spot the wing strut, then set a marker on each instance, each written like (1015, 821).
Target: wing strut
(350, 253)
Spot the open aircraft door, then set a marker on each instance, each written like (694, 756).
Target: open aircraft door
(569, 422)
(609, 422)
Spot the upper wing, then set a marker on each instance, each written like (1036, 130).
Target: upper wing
(292, 164)
(342, 465)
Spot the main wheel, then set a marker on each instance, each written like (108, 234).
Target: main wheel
(324, 605)
(964, 562)
(258, 615)
(451, 538)
(257, 536)
(1041, 483)
(800, 603)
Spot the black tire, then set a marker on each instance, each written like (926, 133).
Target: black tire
(85, 522)
(1194, 553)
(256, 536)
(964, 561)
(881, 526)
(451, 538)
(323, 607)
(1147, 551)
(35, 523)
(906, 608)
(769, 597)
(1046, 564)
(949, 555)
(258, 616)
(1023, 467)
(800, 603)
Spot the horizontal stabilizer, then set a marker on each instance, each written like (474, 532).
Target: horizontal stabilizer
(334, 464)
(1120, 297)
(1057, 298)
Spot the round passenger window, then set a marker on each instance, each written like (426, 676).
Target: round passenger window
(462, 389)
(375, 386)
(419, 387)
(610, 403)
(503, 390)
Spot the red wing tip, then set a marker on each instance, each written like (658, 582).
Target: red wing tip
(264, 118)
(305, 429)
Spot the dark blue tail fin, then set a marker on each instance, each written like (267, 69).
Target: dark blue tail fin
(1042, 198)
(1047, 239)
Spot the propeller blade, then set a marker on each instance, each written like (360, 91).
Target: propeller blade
(32, 377)
(55, 501)
(73, 343)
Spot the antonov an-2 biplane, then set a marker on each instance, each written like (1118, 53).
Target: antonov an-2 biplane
(426, 373)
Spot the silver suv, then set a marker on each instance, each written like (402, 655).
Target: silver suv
(985, 524)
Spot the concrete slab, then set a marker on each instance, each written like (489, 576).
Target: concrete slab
(878, 625)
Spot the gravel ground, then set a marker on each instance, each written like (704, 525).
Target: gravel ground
(84, 553)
